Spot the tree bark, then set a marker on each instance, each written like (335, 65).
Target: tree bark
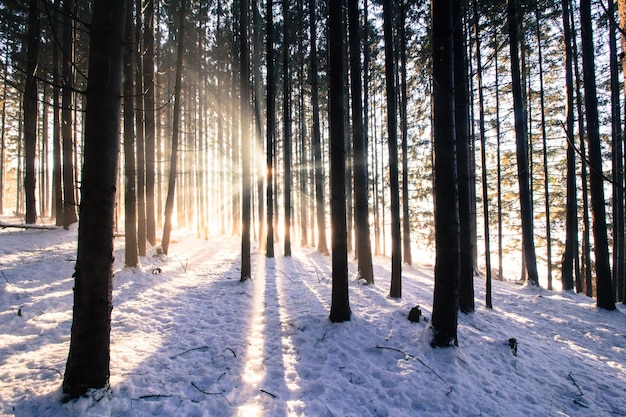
(392, 119)
(287, 130)
(69, 202)
(30, 112)
(605, 297)
(340, 304)
(271, 123)
(131, 258)
(447, 227)
(571, 215)
(521, 141)
(246, 165)
(89, 355)
(171, 184)
(361, 212)
(149, 82)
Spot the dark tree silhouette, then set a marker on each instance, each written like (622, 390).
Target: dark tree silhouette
(244, 84)
(271, 127)
(447, 228)
(604, 297)
(361, 209)
(30, 111)
(89, 355)
(521, 141)
(340, 304)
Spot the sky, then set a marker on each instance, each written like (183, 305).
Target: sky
(188, 339)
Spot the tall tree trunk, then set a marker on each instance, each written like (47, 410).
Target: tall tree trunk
(271, 123)
(3, 126)
(521, 140)
(340, 303)
(322, 245)
(621, 6)
(89, 354)
(447, 228)
(406, 220)
(287, 130)
(392, 119)
(246, 143)
(140, 126)
(30, 112)
(258, 119)
(171, 184)
(618, 163)
(499, 170)
(361, 212)
(463, 137)
(544, 137)
(149, 82)
(131, 258)
(586, 246)
(571, 211)
(69, 202)
(604, 298)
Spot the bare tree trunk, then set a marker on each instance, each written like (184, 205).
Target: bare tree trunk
(447, 227)
(246, 143)
(406, 220)
(392, 119)
(571, 219)
(131, 258)
(287, 130)
(69, 202)
(89, 354)
(521, 148)
(340, 303)
(271, 123)
(363, 244)
(605, 297)
(30, 112)
(171, 185)
(322, 245)
(140, 116)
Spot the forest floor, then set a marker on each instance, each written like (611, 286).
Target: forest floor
(188, 339)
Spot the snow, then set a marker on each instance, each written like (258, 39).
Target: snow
(188, 339)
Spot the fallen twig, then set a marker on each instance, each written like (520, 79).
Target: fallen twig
(211, 393)
(414, 357)
(232, 351)
(268, 393)
(288, 277)
(189, 350)
(144, 397)
(5, 277)
(580, 392)
(44, 368)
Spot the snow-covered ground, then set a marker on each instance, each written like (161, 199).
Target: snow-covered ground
(194, 341)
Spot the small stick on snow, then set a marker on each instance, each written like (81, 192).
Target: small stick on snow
(211, 393)
(5, 277)
(268, 393)
(189, 350)
(232, 351)
(580, 392)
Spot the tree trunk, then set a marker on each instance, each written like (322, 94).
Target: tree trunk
(69, 202)
(171, 184)
(406, 220)
(140, 126)
(131, 258)
(361, 212)
(149, 82)
(604, 298)
(447, 228)
(30, 112)
(521, 148)
(322, 245)
(287, 131)
(392, 119)
(618, 163)
(3, 132)
(340, 303)
(89, 354)
(246, 143)
(271, 123)
(621, 6)
(462, 131)
(571, 215)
